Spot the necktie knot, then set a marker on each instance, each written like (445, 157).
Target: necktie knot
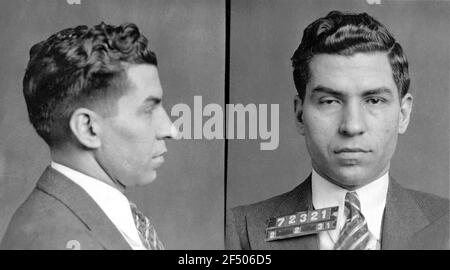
(139, 218)
(352, 205)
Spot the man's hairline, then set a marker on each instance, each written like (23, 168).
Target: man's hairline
(124, 82)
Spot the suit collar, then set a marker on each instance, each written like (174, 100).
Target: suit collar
(402, 218)
(299, 199)
(83, 206)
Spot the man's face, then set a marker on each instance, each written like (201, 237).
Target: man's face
(133, 138)
(351, 117)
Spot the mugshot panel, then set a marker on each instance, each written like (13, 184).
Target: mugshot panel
(263, 38)
(185, 202)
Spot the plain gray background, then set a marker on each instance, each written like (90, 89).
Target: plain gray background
(186, 200)
(265, 34)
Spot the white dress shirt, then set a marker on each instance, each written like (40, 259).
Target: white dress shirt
(113, 203)
(372, 198)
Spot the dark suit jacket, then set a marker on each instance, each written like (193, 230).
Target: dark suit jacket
(59, 214)
(412, 220)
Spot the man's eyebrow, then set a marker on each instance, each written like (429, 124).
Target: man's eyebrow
(326, 90)
(369, 92)
(377, 91)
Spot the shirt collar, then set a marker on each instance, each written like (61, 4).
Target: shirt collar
(372, 198)
(115, 205)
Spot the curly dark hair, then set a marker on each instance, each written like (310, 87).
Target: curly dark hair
(347, 34)
(76, 67)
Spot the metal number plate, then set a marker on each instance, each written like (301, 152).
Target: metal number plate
(302, 223)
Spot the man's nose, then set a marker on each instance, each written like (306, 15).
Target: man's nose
(353, 120)
(166, 129)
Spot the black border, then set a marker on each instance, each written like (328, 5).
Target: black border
(227, 101)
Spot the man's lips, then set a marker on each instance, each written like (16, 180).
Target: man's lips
(351, 150)
(351, 156)
(159, 157)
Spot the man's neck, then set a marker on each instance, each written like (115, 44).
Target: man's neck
(356, 185)
(84, 163)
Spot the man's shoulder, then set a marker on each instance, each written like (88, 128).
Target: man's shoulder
(434, 231)
(262, 207)
(246, 224)
(433, 206)
(283, 204)
(44, 222)
(41, 208)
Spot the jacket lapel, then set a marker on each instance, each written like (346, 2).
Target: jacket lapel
(402, 218)
(84, 207)
(299, 199)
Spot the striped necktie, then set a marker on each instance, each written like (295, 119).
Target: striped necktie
(145, 229)
(355, 233)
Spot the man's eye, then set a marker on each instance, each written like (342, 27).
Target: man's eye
(328, 101)
(376, 101)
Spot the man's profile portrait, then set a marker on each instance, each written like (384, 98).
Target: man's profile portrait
(116, 70)
(93, 94)
(353, 101)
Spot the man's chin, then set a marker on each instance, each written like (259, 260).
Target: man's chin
(350, 180)
(146, 179)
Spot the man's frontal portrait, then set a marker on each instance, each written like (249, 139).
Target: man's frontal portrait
(352, 103)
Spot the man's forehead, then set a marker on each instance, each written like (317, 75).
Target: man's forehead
(144, 79)
(143, 73)
(361, 71)
(373, 60)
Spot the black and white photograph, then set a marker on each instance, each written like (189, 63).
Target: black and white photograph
(81, 49)
(225, 125)
(347, 133)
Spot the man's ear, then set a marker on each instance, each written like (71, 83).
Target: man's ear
(298, 109)
(405, 113)
(85, 127)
